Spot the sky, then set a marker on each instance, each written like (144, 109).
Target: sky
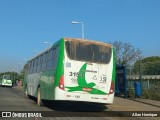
(26, 24)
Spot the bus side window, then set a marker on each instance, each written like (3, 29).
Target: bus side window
(55, 57)
(43, 68)
(48, 56)
(49, 63)
(52, 59)
(39, 63)
(32, 66)
(29, 67)
(35, 66)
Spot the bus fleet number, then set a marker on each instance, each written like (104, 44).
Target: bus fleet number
(75, 74)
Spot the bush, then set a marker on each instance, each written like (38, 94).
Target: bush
(131, 93)
(151, 93)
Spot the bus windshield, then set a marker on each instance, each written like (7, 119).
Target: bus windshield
(7, 77)
(88, 51)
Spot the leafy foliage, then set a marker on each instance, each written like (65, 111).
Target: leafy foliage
(148, 66)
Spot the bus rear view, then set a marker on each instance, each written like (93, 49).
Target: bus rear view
(89, 71)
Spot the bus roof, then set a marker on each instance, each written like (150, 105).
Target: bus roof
(88, 41)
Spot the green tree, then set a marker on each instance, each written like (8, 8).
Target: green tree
(148, 66)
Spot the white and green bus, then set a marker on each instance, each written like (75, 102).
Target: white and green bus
(72, 70)
(6, 80)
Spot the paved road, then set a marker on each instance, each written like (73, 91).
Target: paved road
(13, 100)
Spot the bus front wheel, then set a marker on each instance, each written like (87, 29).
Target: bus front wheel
(39, 100)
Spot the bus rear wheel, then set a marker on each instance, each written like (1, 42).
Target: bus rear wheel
(26, 93)
(39, 100)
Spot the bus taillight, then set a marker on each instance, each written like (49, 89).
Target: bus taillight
(61, 82)
(111, 88)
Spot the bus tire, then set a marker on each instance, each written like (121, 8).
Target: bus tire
(39, 100)
(26, 93)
